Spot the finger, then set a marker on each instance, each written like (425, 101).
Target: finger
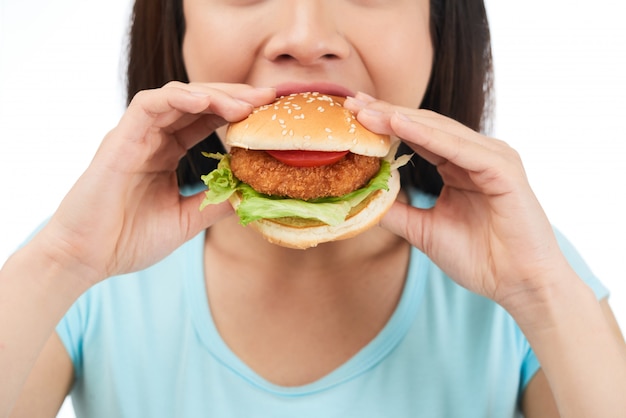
(189, 129)
(446, 145)
(486, 157)
(407, 222)
(196, 220)
(165, 107)
(256, 96)
(376, 116)
(463, 157)
(195, 128)
(369, 105)
(157, 108)
(223, 95)
(381, 123)
(436, 145)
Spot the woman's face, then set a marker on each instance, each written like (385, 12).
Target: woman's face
(380, 47)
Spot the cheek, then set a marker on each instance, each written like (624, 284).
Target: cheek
(409, 71)
(211, 55)
(398, 57)
(405, 66)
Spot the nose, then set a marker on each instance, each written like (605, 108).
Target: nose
(306, 32)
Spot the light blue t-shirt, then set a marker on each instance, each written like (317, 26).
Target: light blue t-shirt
(145, 345)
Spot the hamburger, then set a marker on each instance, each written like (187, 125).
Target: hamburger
(302, 171)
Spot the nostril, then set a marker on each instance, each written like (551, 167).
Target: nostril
(284, 57)
(288, 57)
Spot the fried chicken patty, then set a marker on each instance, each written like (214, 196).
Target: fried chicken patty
(267, 175)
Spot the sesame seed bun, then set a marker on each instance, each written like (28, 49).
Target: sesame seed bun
(309, 122)
(313, 122)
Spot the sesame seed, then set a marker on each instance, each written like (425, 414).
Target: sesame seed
(284, 132)
(328, 130)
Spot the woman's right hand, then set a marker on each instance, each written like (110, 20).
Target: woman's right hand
(125, 212)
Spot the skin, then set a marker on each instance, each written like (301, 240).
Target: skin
(129, 191)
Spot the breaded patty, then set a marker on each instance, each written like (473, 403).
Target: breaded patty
(267, 175)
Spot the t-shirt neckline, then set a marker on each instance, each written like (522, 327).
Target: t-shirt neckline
(365, 359)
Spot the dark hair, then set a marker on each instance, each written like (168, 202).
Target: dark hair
(460, 86)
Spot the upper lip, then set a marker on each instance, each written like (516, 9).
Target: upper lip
(284, 89)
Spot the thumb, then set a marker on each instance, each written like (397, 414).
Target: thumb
(407, 222)
(198, 220)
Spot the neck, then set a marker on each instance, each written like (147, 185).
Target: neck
(295, 315)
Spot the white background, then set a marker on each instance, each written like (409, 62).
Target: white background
(561, 102)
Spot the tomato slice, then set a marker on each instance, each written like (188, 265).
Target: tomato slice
(298, 158)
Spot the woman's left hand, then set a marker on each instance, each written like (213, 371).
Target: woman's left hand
(487, 230)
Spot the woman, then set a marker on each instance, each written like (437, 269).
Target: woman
(204, 317)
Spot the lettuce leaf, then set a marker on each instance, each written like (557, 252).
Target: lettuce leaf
(254, 205)
(221, 182)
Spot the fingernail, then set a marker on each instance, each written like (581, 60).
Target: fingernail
(402, 116)
(365, 97)
(243, 102)
(372, 112)
(266, 89)
(355, 101)
(199, 93)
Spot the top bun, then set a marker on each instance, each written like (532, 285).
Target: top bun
(308, 122)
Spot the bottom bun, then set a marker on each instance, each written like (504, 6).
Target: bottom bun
(304, 235)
